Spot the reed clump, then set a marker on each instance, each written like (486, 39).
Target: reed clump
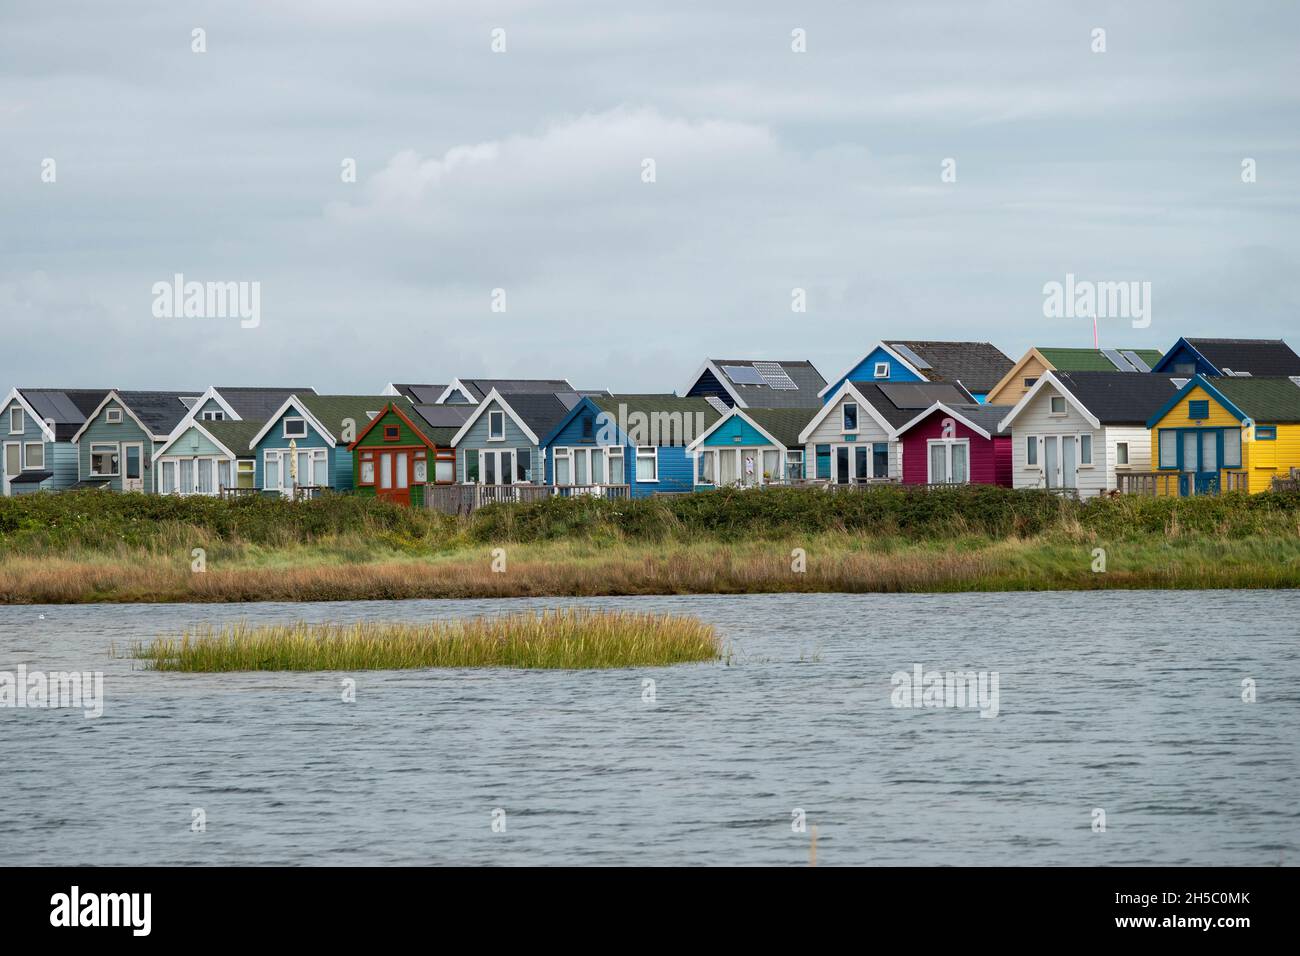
(566, 639)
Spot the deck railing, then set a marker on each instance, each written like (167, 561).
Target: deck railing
(1289, 482)
(1168, 483)
(464, 499)
(240, 492)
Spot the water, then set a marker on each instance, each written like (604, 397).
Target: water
(1127, 702)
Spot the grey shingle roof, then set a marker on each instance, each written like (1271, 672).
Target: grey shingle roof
(899, 402)
(1260, 357)
(441, 422)
(66, 407)
(1119, 398)
(258, 404)
(804, 374)
(540, 411)
(160, 411)
(421, 394)
(1266, 400)
(977, 365)
(481, 387)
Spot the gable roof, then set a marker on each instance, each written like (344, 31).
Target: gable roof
(534, 413)
(985, 420)
(257, 403)
(621, 407)
(441, 422)
(977, 366)
(802, 390)
(400, 407)
(1095, 360)
(66, 408)
(783, 424)
(230, 435)
(1265, 401)
(898, 402)
(1262, 357)
(1104, 398)
(331, 411)
(156, 412)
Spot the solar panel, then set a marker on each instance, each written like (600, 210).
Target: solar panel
(1295, 380)
(1180, 382)
(743, 374)
(775, 375)
(718, 403)
(1135, 360)
(919, 394)
(912, 357)
(568, 399)
(1118, 360)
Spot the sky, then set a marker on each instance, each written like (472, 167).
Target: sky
(919, 171)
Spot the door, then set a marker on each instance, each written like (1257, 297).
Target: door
(496, 466)
(1198, 463)
(133, 475)
(751, 466)
(1051, 461)
(13, 462)
(393, 478)
(1069, 461)
(842, 476)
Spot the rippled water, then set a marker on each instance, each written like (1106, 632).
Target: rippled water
(1129, 702)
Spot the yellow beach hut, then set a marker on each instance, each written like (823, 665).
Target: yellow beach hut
(1227, 434)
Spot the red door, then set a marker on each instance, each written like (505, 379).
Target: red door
(393, 475)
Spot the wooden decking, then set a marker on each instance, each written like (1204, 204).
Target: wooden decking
(1166, 483)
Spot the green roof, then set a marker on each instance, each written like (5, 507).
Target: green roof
(1091, 360)
(332, 410)
(234, 435)
(1266, 400)
(783, 424)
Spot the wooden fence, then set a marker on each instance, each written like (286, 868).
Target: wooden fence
(465, 499)
(1166, 483)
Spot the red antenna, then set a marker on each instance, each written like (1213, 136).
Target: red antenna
(1095, 343)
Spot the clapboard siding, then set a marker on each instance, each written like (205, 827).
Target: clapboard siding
(865, 371)
(830, 431)
(1036, 420)
(477, 437)
(101, 431)
(990, 459)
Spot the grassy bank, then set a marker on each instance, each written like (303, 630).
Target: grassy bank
(97, 547)
(569, 639)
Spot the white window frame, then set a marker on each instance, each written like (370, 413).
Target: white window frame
(882, 370)
(493, 415)
(283, 456)
(792, 456)
(857, 413)
(284, 427)
(1051, 406)
(117, 451)
(947, 444)
(1032, 441)
(572, 453)
(196, 462)
(1092, 450)
(213, 415)
(643, 451)
(113, 416)
(22, 420)
(1118, 446)
(27, 463)
(615, 451)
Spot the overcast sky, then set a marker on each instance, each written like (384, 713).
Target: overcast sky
(523, 171)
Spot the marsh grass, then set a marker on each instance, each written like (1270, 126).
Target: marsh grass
(567, 639)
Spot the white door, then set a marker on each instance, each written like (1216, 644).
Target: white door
(1069, 462)
(496, 466)
(133, 467)
(1051, 461)
(13, 462)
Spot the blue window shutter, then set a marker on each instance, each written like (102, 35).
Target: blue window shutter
(1198, 409)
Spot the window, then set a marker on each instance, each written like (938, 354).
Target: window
(1168, 448)
(882, 370)
(880, 460)
(948, 461)
(523, 465)
(496, 426)
(588, 426)
(1263, 433)
(15, 420)
(860, 463)
(794, 465)
(471, 466)
(1031, 450)
(113, 416)
(103, 460)
(368, 468)
(168, 477)
(1029, 382)
(34, 456)
(214, 415)
(823, 461)
(647, 463)
(1185, 368)
(563, 466)
(1121, 453)
(295, 428)
(223, 473)
(444, 471)
(849, 416)
(271, 472)
(1058, 405)
(1198, 409)
(1232, 446)
(1085, 449)
(614, 454)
